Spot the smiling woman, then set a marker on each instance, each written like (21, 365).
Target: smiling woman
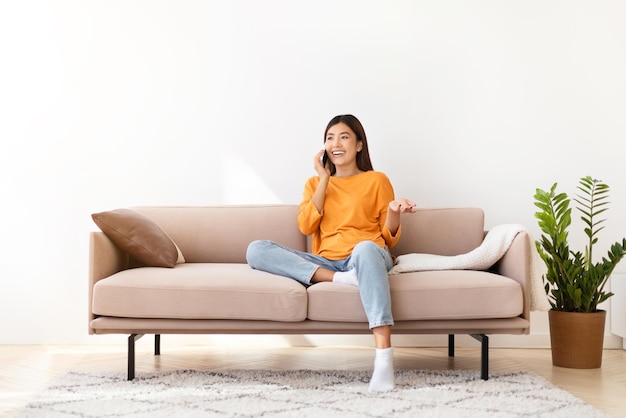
(353, 217)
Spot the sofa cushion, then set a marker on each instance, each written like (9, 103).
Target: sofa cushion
(200, 291)
(221, 234)
(441, 231)
(429, 295)
(139, 236)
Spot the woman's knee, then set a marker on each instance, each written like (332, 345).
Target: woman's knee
(255, 251)
(366, 248)
(369, 252)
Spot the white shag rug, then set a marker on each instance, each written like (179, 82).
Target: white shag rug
(304, 393)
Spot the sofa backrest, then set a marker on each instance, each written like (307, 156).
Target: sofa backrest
(221, 234)
(441, 231)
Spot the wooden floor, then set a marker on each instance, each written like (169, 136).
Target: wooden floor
(25, 370)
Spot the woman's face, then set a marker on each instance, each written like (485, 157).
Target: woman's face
(341, 145)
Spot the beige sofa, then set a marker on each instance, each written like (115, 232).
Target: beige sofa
(214, 291)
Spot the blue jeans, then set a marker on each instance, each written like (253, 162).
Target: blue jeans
(370, 261)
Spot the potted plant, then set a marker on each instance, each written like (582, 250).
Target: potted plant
(574, 282)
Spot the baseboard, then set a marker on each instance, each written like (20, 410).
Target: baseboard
(495, 341)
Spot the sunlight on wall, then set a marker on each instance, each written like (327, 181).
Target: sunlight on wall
(242, 185)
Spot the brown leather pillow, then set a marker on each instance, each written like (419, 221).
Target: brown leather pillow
(139, 236)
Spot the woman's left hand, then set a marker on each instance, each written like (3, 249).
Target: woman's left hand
(402, 205)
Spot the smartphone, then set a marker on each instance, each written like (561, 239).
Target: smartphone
(324, 159)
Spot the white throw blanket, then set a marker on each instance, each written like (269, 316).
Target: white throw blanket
(494, 246)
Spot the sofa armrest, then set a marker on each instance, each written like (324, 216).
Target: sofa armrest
(515, 264)
(105, 259)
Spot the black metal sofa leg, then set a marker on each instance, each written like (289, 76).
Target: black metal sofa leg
(131, 351)
(484, 352)
(131, 354)
(484, 355)
(450, 345)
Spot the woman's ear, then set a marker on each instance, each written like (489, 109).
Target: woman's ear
(359, 146)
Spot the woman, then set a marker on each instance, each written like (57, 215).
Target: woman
(353, 217)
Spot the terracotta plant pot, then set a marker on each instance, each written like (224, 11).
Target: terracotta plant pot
(577, 339)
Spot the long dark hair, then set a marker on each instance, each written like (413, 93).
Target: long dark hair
(363, 161)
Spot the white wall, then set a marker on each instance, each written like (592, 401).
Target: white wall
(107, 104)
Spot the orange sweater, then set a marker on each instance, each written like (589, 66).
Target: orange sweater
(355, 210)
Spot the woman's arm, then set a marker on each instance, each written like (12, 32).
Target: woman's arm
(396, 208)
(312, 204)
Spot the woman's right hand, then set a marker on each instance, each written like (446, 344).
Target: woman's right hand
(322, 170)
(319, 196)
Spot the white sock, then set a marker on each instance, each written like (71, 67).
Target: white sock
(383, 379)
(346, 277)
